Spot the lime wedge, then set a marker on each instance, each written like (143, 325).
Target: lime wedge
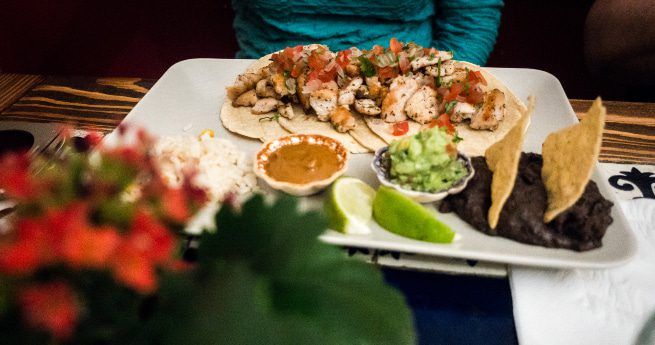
(349, 205)
(405, 217)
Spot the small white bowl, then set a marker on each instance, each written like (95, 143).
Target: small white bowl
(298, 189)
(381, 166)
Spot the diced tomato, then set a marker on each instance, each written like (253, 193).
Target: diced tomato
(326, 76)
(403, 62)
(291, 53)
(282, 62)
(315, 61)
(454, 91)
(388, 72)
(476, 76)
(400, 128)
(343, 58)
(475, 95)
(297, 69)
(443, 91)
(377, 49)
(395, 46)
(313, 75)
(443, 121)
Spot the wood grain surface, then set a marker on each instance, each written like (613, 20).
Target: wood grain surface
(629, 135)
(101, 104)
(84, 103)
(13, 86)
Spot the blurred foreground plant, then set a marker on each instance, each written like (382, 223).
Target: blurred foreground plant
(90, 257)
(92, 232)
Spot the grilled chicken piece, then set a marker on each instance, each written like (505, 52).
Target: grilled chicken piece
(422, 106)
(323, 102)
(265, 105)
(491, 113)
(244, 83)
(279, 84)
(264, 90)
(431, 59)
(393, 105)
(447, 68)
(286, 110)
(458, 75)
(331, 85)
(462, 111)
(247, 99)
(374, 87)
(302, 97)
(423, 79)
(342, 119)
(362, 92)
(367, 107)
(352, 70)
(383, 94)
(347, 94)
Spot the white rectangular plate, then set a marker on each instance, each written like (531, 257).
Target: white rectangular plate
(188, 98)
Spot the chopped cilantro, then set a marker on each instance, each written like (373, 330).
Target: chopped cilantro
(457, 138)
(450, 105)
(431, 56)
(366, 66)
(274, 117)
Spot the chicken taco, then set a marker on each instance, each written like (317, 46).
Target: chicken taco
(366, 99)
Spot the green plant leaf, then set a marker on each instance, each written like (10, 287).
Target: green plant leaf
(264, 277)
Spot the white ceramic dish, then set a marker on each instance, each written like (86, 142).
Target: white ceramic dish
(382, 173)
(263, 155)
(188, 98)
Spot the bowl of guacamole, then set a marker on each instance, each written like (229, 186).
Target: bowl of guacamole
(425, 167)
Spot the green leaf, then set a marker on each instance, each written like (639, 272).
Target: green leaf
(366, 66)
(449, 106)
(263, 277)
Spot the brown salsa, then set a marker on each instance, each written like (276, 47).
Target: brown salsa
(302, 163)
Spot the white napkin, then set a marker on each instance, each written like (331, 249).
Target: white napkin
(590, 306)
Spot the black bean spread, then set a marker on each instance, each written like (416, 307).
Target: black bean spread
(580, 228)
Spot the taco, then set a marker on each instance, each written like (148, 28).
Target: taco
(366, 99)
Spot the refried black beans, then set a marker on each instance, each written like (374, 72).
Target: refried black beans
(580, 228)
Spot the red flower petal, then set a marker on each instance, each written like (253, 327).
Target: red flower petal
(175, 204)
(52, 307)
(135, 270)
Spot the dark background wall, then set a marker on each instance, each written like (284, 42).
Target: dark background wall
(143, 38)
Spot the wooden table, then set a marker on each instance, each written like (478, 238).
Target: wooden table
(101, 104)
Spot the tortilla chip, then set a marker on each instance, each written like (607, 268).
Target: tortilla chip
(364, 135)
(309, 124)
(503, 160)
(385, 130)
(569, 159)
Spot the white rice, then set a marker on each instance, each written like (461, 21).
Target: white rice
(220, 168)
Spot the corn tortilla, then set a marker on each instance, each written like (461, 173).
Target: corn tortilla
(569, 158)
(503, 160)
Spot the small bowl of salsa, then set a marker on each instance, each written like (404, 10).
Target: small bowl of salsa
(301, 164)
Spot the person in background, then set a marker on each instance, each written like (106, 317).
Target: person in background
(620, 48)
(467, 27)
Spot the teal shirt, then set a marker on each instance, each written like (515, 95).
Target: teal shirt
(469, 28)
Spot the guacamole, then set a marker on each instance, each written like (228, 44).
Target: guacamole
(426, 162)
